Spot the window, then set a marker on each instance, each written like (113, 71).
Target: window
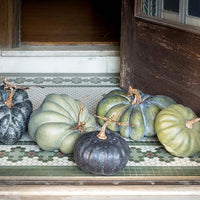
(171, 5)
(149, 7)
(182, 11)
(193, 13)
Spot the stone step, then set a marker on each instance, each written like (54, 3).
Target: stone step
(61, 59)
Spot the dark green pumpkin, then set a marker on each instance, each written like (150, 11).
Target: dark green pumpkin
(14, 117)
(132, 107)
(101, 156)
(101, 153)
(177, 130)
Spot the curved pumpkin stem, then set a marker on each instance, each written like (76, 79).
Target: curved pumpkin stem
(102, 134)
(137, 99)
(9, 102)
(189, 124)
(110, 120)
(8, 87)
(80, 125)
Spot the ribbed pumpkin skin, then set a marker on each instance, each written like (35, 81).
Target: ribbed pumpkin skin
(173, 133)
(101, 157)
(14, 121)
(51, 125)
(142, 115)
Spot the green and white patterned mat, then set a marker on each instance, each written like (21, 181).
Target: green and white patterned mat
(148, 157)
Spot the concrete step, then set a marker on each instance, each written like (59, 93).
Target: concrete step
(61, 59)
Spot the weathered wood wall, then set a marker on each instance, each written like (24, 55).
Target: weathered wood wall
(9, 23)
(127, 43)
(162, 60)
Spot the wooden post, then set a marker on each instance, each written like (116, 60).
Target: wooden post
(127, 43)
(10, 17)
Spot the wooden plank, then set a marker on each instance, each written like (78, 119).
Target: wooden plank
(108, 180)
(101, 192)
(127, 43)
(10, 23)
(167, 62)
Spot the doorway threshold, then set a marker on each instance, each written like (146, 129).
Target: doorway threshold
(67, 50)
(61, 59)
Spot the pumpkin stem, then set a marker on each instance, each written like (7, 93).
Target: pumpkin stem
(9, 102)
(102, 134)
(110, 120)
(189, 124)
(8, 87)
(80, 125)
(137, 99)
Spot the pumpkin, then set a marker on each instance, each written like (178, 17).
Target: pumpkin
(58, 122)
(15, 110)
(132, 107)
(101, 153)
(178, 130)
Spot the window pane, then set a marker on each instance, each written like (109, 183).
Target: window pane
(194, 8)
(149, 7)
(171, 5)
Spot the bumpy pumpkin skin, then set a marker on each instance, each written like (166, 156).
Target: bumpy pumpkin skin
(14, 121)
(170, 125)
(52, 124)
(101, 157)
(142, 115)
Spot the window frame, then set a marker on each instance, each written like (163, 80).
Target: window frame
(164, 22)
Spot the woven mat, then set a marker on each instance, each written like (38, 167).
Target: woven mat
(148, 157)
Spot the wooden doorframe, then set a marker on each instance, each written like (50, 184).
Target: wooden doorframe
(10, 23)
(127, 42)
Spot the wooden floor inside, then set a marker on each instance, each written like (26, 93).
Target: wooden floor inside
(57, 22)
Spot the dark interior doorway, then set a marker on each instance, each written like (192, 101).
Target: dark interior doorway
(66, 22)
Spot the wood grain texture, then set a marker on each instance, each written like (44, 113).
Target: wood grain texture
(164, 60)
(127, 43)
(60, 22)
(167, 62)
(10, 23)
(100, 192)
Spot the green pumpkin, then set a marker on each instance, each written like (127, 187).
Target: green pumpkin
(58, 122)
(134, 108)
(178, 130)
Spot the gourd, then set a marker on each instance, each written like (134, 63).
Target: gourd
(178, 129)
(132, 107)
(58, 122)
(15, 110)
(101, 153)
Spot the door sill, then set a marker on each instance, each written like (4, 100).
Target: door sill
(63, 50)
(61, 59)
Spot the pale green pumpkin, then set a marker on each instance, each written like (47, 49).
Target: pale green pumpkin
(58, 122)
(134, 108)
(178, 129)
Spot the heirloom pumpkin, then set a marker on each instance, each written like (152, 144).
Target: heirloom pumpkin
(58, 122)
(15, 110)
(178, 129)
(101, 153)
(132, 107)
